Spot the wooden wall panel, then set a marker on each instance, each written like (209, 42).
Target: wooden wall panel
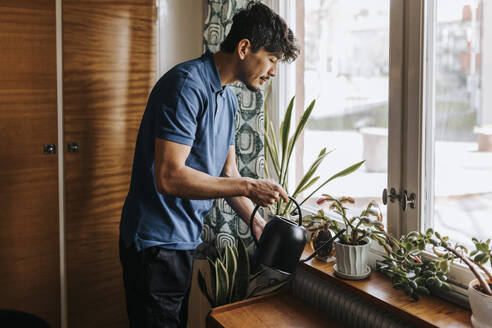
(108, 72)
(29, 235)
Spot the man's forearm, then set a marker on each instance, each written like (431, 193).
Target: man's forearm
(193, 184)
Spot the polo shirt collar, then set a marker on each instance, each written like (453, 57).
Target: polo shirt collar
(212, 72)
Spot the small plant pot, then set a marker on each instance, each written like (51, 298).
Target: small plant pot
(351, 260)
(481, 305)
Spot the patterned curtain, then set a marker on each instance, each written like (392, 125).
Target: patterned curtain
(222, 225)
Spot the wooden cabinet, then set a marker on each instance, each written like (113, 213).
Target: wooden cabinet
(108, 71)
(29, 234)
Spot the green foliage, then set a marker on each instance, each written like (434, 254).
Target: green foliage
(231, 278)
(279, 153)
(358, 228)
(483, 252)
(405, 267)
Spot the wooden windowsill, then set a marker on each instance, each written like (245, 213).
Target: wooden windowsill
(429, 311)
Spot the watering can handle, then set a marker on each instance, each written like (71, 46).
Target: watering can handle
(256, 209)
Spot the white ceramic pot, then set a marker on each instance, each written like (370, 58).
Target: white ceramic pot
(351, 259)
(481, 305)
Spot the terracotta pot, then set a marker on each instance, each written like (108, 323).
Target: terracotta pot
(481, 305)
(351, 259)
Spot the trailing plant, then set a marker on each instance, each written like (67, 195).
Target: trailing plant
(279, 152)
(357, 228)
(231, 279)
(406, 268)
(476, 260)
(402, 262)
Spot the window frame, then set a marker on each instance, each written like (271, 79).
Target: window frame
(409, 67)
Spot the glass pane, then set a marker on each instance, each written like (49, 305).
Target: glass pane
(461, 128)
(346, 50)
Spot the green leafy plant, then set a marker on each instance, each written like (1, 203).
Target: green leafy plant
(279, 152)
(406, 268)
(357, 228)
(445, 250)
(231, 278)
(481, 255)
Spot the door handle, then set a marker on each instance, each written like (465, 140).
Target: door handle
(408, 200)
(72, 147)
(392, 196)
(50, 149)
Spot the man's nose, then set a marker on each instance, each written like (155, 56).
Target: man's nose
(273, 71)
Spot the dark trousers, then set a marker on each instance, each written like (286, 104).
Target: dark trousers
(157, 286)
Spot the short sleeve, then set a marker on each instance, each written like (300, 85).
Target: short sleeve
(176, 119)
(232, 141)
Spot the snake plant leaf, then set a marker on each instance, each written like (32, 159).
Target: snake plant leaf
(203, 287)
(231, 267)
(242, 273)
(257, 274)
(221, 283)
(342, 173)
(262, 290)
(211, 265)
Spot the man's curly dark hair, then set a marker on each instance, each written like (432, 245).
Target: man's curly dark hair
(263, 28)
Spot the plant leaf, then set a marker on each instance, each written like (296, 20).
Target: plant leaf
(242, 273)
(262, 290)
(284, 133)
(342, 173)
(203, 287)
(300, 127)
(231, 267)
(221, 283)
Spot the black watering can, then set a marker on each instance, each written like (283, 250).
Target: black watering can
(282, 242)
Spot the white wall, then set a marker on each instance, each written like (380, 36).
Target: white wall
(180, 31)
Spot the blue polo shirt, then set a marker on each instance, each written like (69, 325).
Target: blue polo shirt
(188, 105)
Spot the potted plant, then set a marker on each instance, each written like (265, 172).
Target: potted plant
(352, 246)
(479, 289)
(231, 278)
(279, 151)
(405, 266)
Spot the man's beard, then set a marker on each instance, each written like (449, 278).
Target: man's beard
(250, 87)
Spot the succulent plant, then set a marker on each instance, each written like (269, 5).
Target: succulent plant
(231, 278)
(357, 228)
(447, 251)
(405, 267)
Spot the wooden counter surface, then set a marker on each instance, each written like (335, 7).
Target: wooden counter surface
(270, 311)
(429, 311)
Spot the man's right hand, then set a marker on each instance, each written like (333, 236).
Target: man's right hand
(265, 192)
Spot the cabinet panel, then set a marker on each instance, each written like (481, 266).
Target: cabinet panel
(29, 235)
(108, 71)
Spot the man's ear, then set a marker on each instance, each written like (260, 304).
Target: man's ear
(243, 48)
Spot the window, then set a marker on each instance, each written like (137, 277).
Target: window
(457, 142)
(411, 100)
(344, 66)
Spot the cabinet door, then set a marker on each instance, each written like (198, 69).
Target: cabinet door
(29, 235)
(108, 72)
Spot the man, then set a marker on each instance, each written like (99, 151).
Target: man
(185, 158)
